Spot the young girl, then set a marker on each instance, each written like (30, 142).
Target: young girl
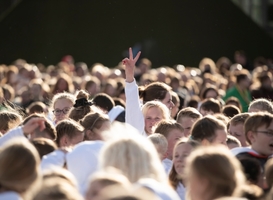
(61, 104)
(154, 91)
(181, 151)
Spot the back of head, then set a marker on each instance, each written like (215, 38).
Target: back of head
(261, 105)
(56, 189)
(120, 153)
(239, 119)
(155, 91)
(188, 112)
(218, 168)
(211, 105)
(19, 164)
(159, 141)
(81, 107)
(104, 101)
(230, 110)
(44, 146)
(165, 126)
(205, 128)
(36, 107)
(9, 120)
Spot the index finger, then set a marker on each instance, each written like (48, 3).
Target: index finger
(130, 54)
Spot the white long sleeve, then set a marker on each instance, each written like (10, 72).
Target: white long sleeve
(133, 114)
(56, 158)
(13, 133)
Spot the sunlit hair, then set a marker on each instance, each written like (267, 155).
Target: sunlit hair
(63, 95)
(174, 178)
(218, 168)
(160, 142)
(164, 110)
(9, 120)
(68, 127)
(206, 127)
(211, 105)
(188, 112)
(261, 105)
(44, 146)
(165, 126)
(154, 91)
(239, 119)
(256, 120)
(19, 166)
(233, 140)
(120, 153)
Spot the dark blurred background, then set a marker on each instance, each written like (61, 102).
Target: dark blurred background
(166, 31)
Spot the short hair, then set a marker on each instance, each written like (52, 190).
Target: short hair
(207, 89)
(230, 110)
(206, 127)
(221, 117)
(188, 112)
(159, 141)
(9, 120)
(154, 91)
(239, 119)
(104, 101)
(241, 75)
(67, 127)
(234, 101)
(233, 140)
(256, 120)
(165, 126)
(211, 105)
(44, 146)
(261, 105)
(165, 111)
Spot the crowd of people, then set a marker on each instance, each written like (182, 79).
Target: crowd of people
(134, 132)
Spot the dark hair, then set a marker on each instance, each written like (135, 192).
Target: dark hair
(234, 101)
(207, 89)
(205, 128)
(230, 110)
(44, 146)
(241, 75)
(153, 91)
(36, 107)
(211, 105)
(104, 101)
(81, 107)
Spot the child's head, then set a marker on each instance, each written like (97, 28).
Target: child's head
(19, 166)
(259, 132)
(157, 91)
(181, 151)
(61, 104)
(210, 106)
(230, 110)
(104, 102)
(234, 101)
(44, 146)
(36, 107)
(9, 120)
(233, 142)
(161, 144)
(94, 124)
(69, 133)
(261, 105)
(172, 131)
(186, 118)
(209, 130)
(212, 172)
(154, 112)
(236, 127)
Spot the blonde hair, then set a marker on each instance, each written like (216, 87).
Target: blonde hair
(261, 105)
(150, 104)
(188, 112)
(159, 141)
(19, 166)
(63, 95)
(121, 153)
(218, 167)
(165, 126)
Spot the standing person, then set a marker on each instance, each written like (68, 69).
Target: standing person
(241, 89)
(154, 91)
(181, 151)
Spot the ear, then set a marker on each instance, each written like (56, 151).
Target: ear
(251, 136)
(89, 134)
(64, 141)
(205, 142)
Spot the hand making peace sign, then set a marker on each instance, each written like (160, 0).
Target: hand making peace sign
(130, 65)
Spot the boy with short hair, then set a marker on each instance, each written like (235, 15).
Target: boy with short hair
(161, 144)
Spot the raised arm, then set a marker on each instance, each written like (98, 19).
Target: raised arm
(133, 113)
